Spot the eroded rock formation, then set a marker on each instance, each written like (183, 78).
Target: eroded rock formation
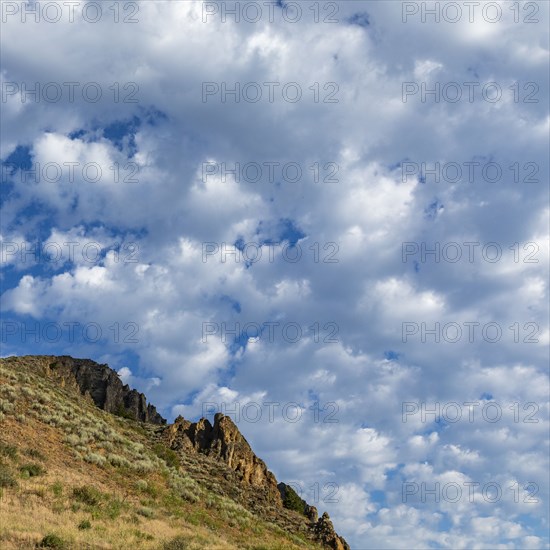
(105, 388)
(223, 441)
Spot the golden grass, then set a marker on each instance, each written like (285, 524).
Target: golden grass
(128, 515)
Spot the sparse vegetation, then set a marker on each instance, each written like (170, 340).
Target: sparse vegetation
(168, 455)
(6, 477)
(6, 406)
(143, 495)
(179, 543)
(31, 470)
(57, 489)
(85, 524)
(52, 541)
(87, 495)
(146, 512)
(35, 453)
(124, 413)
(141, 485)
(95, 458)
(9, 451)
(292, 501)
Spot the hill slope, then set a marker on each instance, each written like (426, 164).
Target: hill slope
(85, 462)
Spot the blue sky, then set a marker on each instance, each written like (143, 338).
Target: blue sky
(119, 248)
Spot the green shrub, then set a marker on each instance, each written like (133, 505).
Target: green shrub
(87, 495)
(57, 489)
(6, 477)
(52, 541)
(31, 470)
(84, 524)
(141, 485)
(292, 501)
(107, 445)
(185, 488)
(179, 543)
(117, 460)
(113, 508)
(6, 406)
(72, 439)
(168, 455)
(8, 450)
(146, 512)
(94, 458)
(123, 412)
(29, 392)
(143, 465)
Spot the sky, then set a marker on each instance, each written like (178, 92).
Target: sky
(328, 220)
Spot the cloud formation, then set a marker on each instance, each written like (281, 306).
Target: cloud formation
(399, 281)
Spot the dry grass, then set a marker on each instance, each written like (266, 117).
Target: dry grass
(133, 498)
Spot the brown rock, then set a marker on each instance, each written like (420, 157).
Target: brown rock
(225, 442)
(105, 388)
(324, 531)
(311, 513)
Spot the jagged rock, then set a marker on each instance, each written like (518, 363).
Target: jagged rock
(311, 513)
(324, 531)
(105, 388)
(225, 442)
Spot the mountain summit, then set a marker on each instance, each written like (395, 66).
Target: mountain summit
(86, 462)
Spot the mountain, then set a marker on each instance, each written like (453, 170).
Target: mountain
(86, 462)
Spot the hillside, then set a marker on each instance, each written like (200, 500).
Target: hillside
(85, 462)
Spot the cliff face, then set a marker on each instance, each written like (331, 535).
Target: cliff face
(105, 388)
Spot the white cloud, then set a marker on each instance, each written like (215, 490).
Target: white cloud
(170, 291)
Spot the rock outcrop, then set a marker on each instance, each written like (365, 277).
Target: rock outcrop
(325, 533)
(223, 441)
(105, 388)
(310, 512)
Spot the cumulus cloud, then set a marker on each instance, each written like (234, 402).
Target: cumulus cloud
(184, 268)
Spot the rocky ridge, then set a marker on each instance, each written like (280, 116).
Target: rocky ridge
(227, 454)
(104, 387)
